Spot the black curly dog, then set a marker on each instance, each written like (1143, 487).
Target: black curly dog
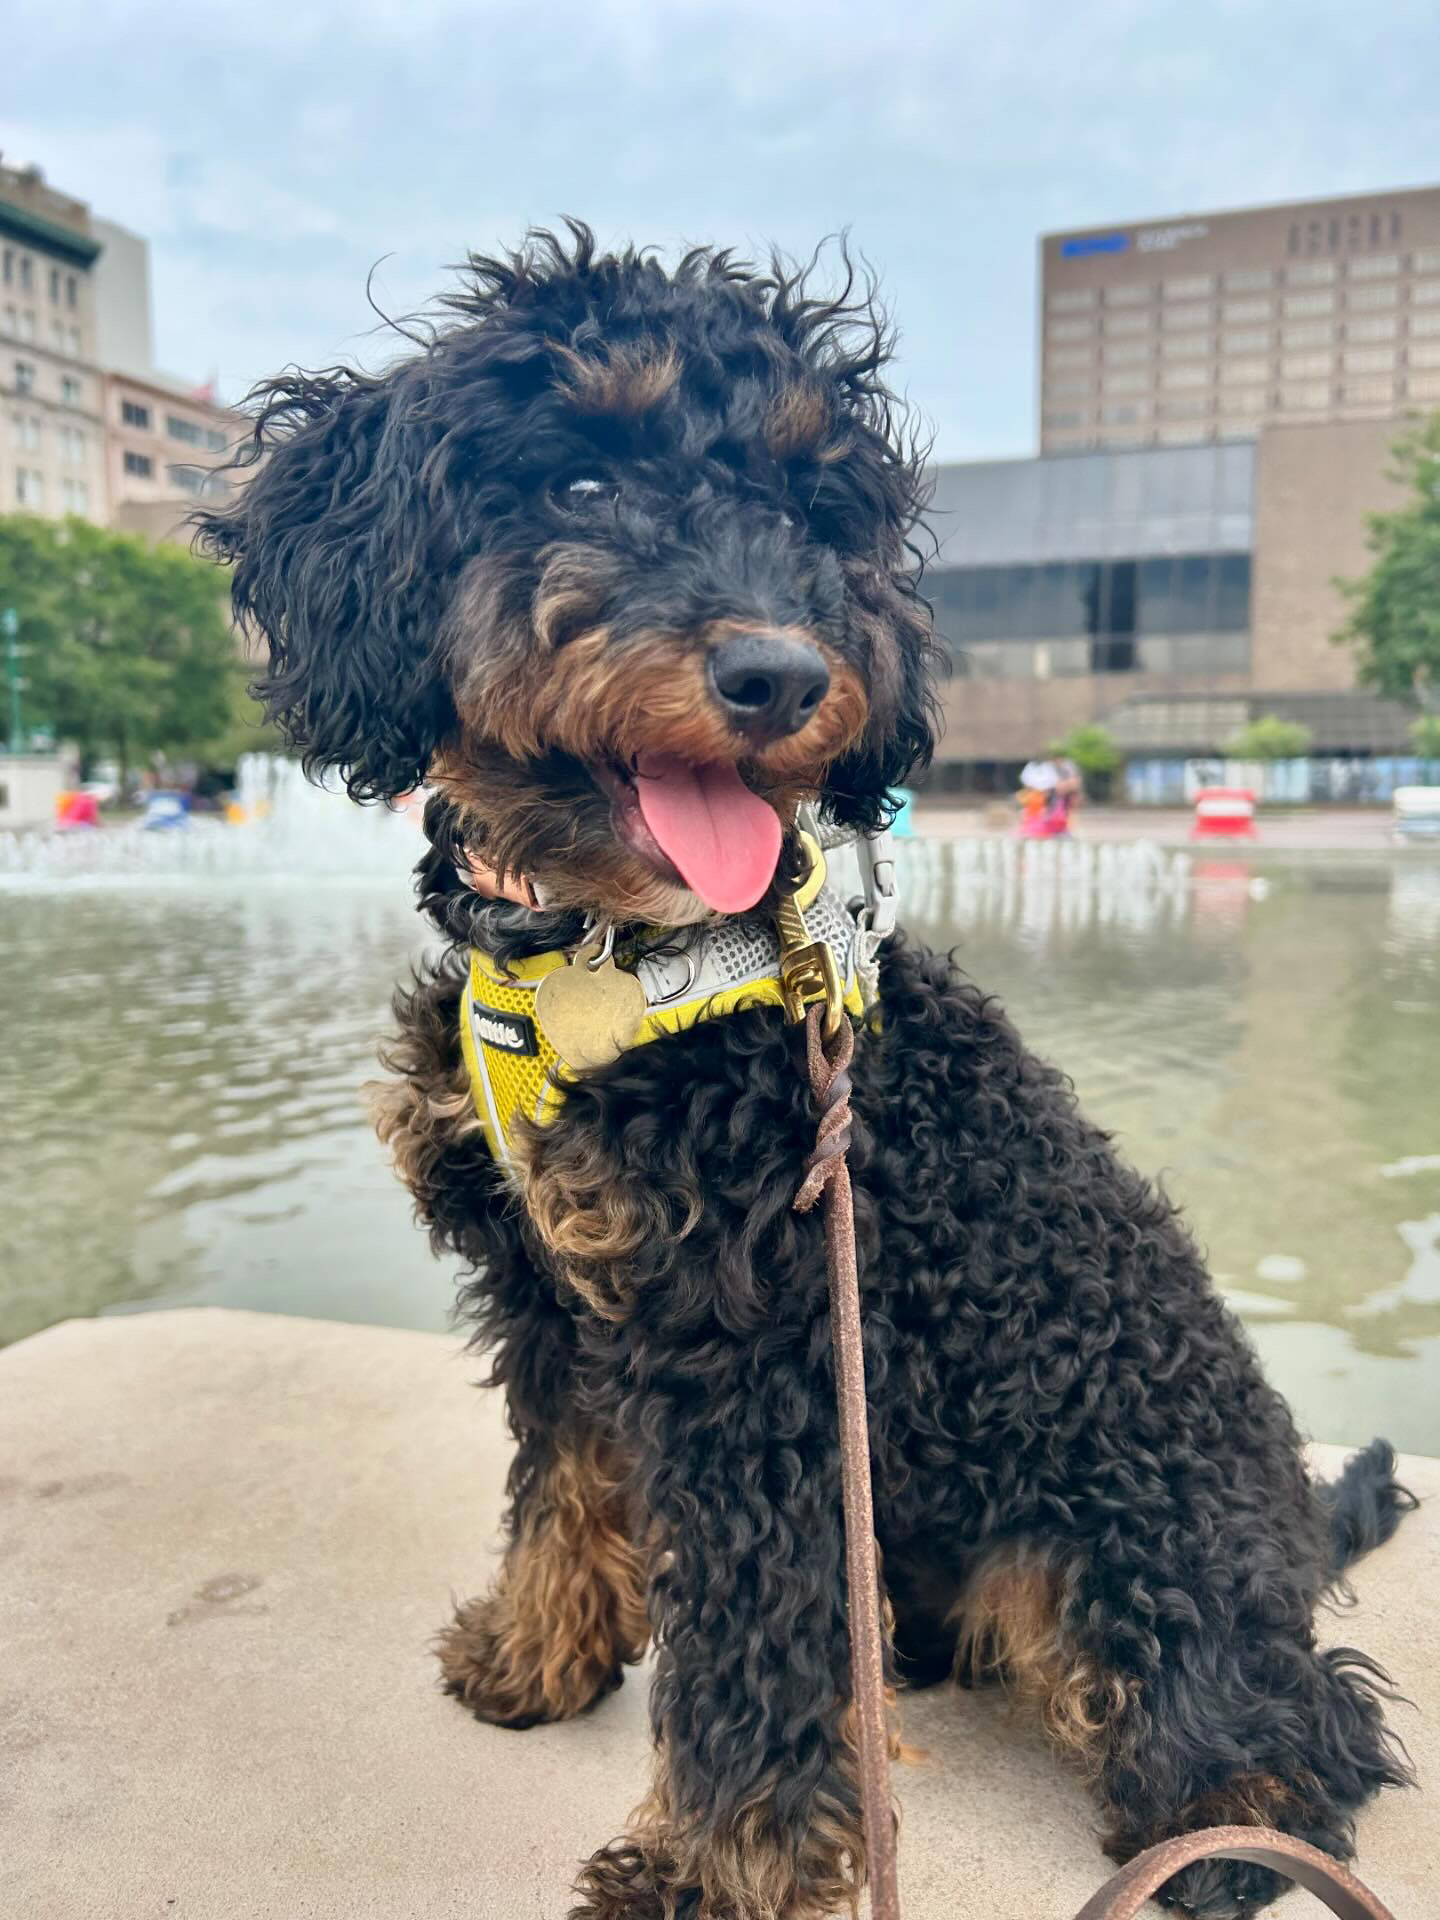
(609, 510)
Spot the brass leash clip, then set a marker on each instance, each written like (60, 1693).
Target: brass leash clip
(808, 971)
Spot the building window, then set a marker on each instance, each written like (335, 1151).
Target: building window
(1248, 279)
(73, 342)
(73, 446)
(1367, 393)
(1067, 357)
(1360, 298)
(1132, 296)
(72, 291)
(1178, 319)
(140, 464)
(1187, 286)
(1298, 303)
(1375, 266)
(27, 324)
(55, 286)
(71, 391)
(1122, 352)
(1068, 418)
(132, 414)
(27, 274)
(1312, 273)
(1185, 377)
(1307, 333)
(1233, 310)
(57, 335)
(1369, 360)
(1315, 393)
(1072, 300)
(1425, 293)
(1128, 381)
(24, 377)
(1123, 416)
(1248, 400)
(76, 496)
(1247, 340)
(1425, 386)
(29, 487)
(185, 430)
(1071, 329)
(1180, 346)
(1300, 366)
(1375, 326)
(1186, 406)
(1068, 390)
(1136, 320)
(9, 274)
(215, 440)
(25, 431)
(1424, 353)
(1426, 323)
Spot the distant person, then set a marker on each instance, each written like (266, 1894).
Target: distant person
(1047, 793)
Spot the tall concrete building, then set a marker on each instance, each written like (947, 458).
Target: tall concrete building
(91, 426)
(52, 440)
(1209, 326)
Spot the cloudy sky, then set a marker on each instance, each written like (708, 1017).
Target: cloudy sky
(273, 152)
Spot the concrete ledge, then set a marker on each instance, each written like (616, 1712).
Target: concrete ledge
(224, 1541)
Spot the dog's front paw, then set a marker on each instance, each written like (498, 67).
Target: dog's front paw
(633, 1880)
(507, 1672)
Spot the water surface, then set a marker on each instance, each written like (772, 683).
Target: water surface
(182, 1120)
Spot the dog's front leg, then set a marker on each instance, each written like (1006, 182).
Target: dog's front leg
(567, 1612)
(754, 1808)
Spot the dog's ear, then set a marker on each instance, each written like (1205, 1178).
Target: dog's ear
(904, 717)
(334, 571)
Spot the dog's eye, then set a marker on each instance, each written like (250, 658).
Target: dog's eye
(584, 489)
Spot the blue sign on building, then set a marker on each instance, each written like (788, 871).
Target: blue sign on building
(1095, 243)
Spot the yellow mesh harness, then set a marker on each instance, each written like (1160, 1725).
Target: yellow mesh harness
(701, 973)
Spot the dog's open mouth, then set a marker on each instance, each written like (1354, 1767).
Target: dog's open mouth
(700, 823)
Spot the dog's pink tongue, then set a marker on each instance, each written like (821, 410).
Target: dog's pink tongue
(722, 838)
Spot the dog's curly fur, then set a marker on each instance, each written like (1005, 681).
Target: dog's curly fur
(1085, 1488)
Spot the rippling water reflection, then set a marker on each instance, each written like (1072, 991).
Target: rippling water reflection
(182, 1120)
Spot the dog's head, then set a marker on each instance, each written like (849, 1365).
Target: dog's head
(617, 561)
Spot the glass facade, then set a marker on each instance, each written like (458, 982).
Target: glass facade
(1181, 613)
(1133, 561)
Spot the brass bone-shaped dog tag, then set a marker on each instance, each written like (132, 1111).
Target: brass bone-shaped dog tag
(590, 1014)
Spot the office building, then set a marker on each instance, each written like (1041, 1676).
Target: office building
(1207, 327)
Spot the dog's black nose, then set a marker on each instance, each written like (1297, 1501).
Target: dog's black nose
(769, 686)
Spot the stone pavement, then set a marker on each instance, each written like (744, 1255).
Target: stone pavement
(224, 1541)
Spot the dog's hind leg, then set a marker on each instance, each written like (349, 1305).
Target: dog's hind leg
(1195, 1703)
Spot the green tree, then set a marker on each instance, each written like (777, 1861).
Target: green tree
(127, 647)
(1092, 750)
(1270, 738)
(1394, 622)
(1426, 733)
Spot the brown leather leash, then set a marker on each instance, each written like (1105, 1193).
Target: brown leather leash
(829, 1045)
